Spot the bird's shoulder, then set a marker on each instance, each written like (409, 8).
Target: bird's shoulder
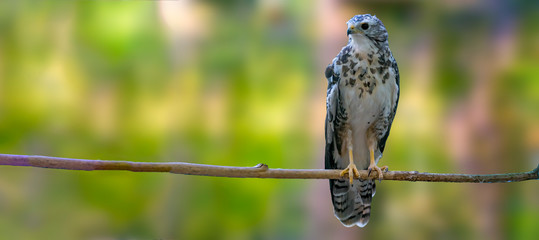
(346, 53)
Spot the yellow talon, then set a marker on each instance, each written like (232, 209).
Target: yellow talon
(352, 172)
(377, 169)
(373, 166)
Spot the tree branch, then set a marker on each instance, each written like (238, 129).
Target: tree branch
(258, 171)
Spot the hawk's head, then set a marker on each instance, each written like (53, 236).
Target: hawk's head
(367, 26)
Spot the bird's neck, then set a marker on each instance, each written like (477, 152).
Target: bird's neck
(362, 44)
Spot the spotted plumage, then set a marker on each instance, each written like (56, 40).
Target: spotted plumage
(362, 98)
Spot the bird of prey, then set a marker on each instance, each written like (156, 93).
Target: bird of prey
(362, 97)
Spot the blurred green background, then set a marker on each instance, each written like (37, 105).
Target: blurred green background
(241, 83)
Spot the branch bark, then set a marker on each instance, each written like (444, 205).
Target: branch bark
(258, 171)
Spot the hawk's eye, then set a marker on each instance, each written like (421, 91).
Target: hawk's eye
(364, 26)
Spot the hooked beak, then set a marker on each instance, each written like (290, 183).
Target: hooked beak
(351, 30)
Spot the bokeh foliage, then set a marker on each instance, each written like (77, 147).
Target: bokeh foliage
(241, 83)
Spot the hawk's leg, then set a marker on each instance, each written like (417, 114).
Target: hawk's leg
(373, 166)
(351, 170)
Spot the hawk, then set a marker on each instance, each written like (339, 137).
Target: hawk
(362, 98)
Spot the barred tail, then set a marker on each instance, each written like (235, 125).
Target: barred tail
(352, 203)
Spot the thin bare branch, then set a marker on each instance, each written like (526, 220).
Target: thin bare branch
(259, 171)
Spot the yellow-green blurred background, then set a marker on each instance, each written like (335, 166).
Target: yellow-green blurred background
(240, 83)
